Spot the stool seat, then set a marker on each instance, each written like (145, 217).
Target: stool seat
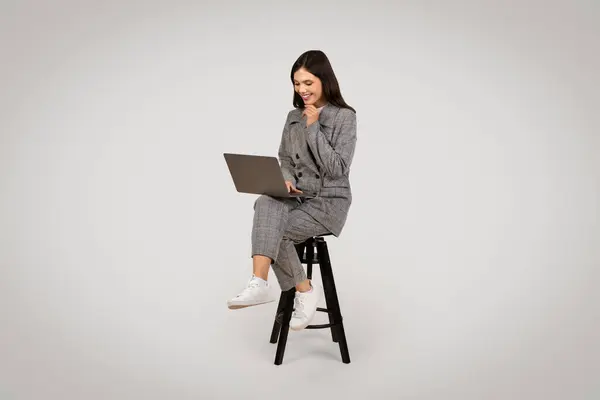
(307, 255)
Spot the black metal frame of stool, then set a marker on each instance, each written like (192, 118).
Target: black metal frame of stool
(307, 255)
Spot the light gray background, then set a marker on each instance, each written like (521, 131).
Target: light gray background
(468, 269)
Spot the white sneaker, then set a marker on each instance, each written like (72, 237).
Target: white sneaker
(255, 293)
(305, 308)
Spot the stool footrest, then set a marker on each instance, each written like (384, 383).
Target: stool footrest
(322, 326)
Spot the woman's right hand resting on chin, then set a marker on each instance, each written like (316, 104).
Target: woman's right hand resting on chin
(291, 188)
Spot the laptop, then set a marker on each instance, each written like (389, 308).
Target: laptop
(257, 175)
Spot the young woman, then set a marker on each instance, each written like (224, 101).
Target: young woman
(316, 150)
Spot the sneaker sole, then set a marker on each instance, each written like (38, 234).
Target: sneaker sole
(238, 306)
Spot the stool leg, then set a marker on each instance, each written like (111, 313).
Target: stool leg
(282, 302)
(277, 325)
(288, 301)
(329, 303)
(322, 248)
(300, 250)
(310, 252)
(331, 297)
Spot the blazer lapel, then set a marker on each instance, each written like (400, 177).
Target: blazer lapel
(327, 115)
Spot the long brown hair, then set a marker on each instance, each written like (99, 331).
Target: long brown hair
(317, 63)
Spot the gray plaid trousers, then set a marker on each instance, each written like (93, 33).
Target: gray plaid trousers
(278, 225)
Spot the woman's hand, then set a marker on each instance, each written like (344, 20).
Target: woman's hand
(312, 114)
(291, 188)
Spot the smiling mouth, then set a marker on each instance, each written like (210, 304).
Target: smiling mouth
(306, 96)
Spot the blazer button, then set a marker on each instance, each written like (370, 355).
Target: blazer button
(300, 174)
(297, 156)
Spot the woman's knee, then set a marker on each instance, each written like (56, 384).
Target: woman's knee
(266, 201)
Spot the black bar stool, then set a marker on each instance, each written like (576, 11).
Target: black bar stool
(308, 256)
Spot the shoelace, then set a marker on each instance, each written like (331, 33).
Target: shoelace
(298, 307)
(251, 285)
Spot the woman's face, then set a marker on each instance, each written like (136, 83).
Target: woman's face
(308, 87)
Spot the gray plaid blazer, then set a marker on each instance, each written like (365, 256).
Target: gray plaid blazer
(317, 160)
